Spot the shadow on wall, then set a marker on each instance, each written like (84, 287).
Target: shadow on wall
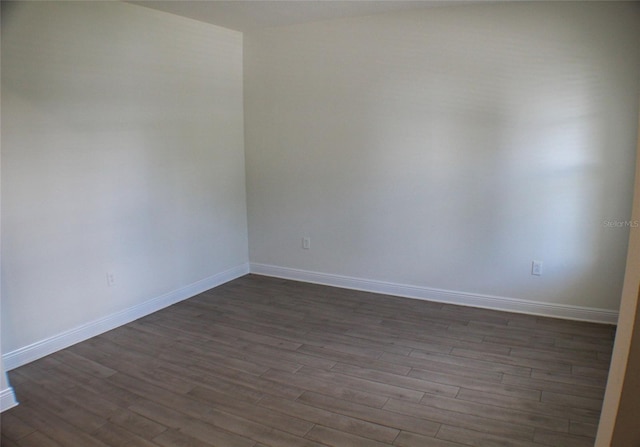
(448, 148)
(508, 160)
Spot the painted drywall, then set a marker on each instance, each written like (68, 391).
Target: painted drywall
(122, 153)
(7, 395)
(448, 148)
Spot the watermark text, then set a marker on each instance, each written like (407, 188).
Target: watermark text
(622, 223)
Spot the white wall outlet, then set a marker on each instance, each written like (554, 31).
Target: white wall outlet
(306, 243)
(536, 268)
(111, 279)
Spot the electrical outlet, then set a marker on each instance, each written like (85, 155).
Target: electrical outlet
(111, 279)
(536, 268)
(306, 243)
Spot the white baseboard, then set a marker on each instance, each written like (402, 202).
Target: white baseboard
(443, 296)
(42, 348)
(7, 399)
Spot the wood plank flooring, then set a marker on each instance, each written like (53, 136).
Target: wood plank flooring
(267, 362)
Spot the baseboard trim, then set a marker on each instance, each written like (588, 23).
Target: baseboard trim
(27, 354)
(7, 399)
(563, 311)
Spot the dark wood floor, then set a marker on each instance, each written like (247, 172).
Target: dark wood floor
(267, 362)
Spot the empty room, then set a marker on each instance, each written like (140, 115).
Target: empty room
(320, 223)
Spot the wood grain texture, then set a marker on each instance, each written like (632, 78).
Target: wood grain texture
(267, 362)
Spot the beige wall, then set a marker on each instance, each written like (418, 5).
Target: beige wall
(626, 430)
(448, 148)
(122, 152)
(621, 410)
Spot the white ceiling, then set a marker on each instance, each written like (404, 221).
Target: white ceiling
(245, 15)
